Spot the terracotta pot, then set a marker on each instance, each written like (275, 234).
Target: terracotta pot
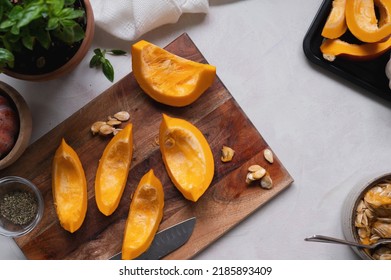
(25, 124)
(73, 62)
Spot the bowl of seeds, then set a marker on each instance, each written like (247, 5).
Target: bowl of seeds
(21, 206)
(367, 216)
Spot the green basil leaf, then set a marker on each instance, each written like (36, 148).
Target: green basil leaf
(69, 2)
(78, 33)
(15, 30)
(43, 37)
(108, 70)
(28, 41)
(16, 13)
(98, 52)
(55, 6)
(52, 24)
(69, 13)
(30, 13)
(95, 61)
(67, 23)
(6, 58)
(117, 52)
(7, 24)
(69, 35)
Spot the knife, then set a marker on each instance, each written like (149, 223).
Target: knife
(166, 241)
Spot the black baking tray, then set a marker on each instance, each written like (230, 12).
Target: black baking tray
(369, 75)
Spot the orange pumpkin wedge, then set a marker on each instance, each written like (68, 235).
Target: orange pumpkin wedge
(69, 187)
(145, 215)
(113, 170)
(384, 9)
(335, 25)
(331, 48)
(363, 23)
(187, 157)
(167, 78)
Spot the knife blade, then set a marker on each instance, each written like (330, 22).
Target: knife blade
(166, 241)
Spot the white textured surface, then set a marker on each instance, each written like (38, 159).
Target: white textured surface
(327, 132)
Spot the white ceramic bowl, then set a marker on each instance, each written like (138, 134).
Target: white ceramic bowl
(349, 211)
(12, 184)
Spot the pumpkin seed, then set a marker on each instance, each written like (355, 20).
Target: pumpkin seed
(266, 182)
(259, 173)
(249, 178)
(227, 154)
(106, 129)
(268, 154)
(114, 122)
(254, 168)
(169, 143)
(329, 57)
(96, 126)
(122, 116)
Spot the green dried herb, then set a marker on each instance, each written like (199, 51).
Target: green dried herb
(19, 207)
(100, 60)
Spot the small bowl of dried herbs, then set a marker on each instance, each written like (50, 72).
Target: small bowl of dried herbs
(21, 206)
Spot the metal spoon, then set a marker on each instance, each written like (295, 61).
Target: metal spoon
(328, 239)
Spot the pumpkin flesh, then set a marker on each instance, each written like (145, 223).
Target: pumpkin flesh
(362, 21)
(336, 22)
(113, 170)
(69, 188)
(145, 215)
(168, 78)
(336, 47)
(187, 157)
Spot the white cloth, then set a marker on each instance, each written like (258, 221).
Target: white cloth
(129, 19)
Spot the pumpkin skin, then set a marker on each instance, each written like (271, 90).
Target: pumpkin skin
(145, 215)
(9, 126)
(113, 170)
(187, 157)
(69, 187)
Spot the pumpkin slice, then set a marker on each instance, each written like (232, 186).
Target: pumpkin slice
(69, 187)
(384, 8)
(335, 25)
(331, 48)
(113, 170)
(187, 157)
(363, 23)
(167, 78)
(145, 215)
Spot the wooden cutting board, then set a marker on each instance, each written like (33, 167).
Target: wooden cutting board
(228, 200)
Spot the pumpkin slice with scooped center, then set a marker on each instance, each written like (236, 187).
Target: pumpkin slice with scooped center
(113, 171)
(187, 156)
(335, 25)
(362, 21)
(145, 215)
(69, 187)
(331, 48)
(167, 78)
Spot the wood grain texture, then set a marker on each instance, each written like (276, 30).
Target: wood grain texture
(227, 201)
